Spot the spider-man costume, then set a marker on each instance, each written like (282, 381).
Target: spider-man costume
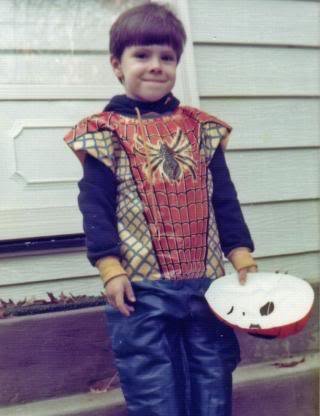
(165, 218)
(157, 194)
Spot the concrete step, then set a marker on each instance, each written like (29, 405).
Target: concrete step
(276, 388)
(65, 352)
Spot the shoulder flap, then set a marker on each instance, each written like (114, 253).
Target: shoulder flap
(93, 135)
(213, 127)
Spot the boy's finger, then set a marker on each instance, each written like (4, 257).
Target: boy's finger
(120, 305)
(129, 292)
(110, 300)
(242, 274)
(130, 308)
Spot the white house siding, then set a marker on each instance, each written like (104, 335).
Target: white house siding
(54, 70)
(256, 67)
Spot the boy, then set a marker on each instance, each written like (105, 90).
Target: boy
(158, 209)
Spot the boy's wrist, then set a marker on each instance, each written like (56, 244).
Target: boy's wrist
(110, 267)
(112, 278)
(241, 258)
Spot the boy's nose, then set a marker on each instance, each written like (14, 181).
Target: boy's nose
(155, 65)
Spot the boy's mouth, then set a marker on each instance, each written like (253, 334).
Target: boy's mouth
(158, 81)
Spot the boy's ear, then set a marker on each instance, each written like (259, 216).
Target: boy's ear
(116, 67)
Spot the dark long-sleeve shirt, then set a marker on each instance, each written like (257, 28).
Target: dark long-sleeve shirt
(97, 202)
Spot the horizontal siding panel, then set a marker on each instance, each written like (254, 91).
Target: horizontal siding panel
(62, 36)
(254, 21)
(284, 228)
(256, 71)
(63, 25)
(37, 222)
(48, 267)
(34, 276)
(268, 123)
(275, 175)
(58, 92)
(72, 110)
(278, 229)
(44, 69)
(35, 11)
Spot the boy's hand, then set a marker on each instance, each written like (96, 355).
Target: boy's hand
(117, 290)
(243, 262)
(242, 273)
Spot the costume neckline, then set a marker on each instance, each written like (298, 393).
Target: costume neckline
(125, 106)
(147, 120)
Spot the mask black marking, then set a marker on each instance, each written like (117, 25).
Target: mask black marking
(231, 310)
(267, 309)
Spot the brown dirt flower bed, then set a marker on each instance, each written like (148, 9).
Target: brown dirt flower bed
(52, 304)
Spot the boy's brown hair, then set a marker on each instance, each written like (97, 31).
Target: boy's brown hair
(148, 24)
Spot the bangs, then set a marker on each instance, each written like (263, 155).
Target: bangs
(152, 32)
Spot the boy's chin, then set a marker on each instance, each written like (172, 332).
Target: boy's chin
(149, 98)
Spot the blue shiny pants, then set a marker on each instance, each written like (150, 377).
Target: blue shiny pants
(173, 356)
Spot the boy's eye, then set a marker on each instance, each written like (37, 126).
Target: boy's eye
(140, 55)
(168, 58)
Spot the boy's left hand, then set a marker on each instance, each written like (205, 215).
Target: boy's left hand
(243, 262)
(242, 273)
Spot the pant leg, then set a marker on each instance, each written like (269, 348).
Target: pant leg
(213, 353)
(147, 349)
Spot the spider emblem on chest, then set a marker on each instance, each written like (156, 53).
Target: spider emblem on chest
(169, 159)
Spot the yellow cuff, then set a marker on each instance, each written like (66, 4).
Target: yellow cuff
(110, 267)
(241, 258)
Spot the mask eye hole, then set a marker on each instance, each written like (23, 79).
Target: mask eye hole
(267, 309)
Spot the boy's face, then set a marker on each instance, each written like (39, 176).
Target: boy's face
(147, 72)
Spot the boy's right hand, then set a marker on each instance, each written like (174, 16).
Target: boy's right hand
(117, 290)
